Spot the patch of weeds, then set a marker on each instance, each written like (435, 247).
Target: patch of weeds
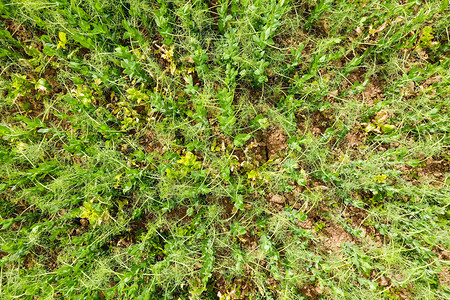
(230, 149)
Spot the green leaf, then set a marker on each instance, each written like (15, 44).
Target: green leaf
(290, 165)
(444, 5)
(240, 139)
(266, 244)
(260, 122)
(83, 41)
(237, 229)
(4, 130)
(295, 143)
(43, 85)
(49, 50)
(208, 261)
(225, 173)
(127, 187)
(7, 223)
(238, 202)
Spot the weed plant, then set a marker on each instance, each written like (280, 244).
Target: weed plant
(226, 149)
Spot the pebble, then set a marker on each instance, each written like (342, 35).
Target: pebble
(277, 199)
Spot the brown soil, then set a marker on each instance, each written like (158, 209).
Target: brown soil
(312, 291)
(293, 198)
(335, 236)
(357, 217)
(179, 214)
(437, 167)
(321, 121)
(434, 169)
(275, 141)
(444, 275)
(354, 139)
(18, 31)
(152, 142)
(228, 207)
(372, 93)
(237, 289)
(249, 241)
(277, 201)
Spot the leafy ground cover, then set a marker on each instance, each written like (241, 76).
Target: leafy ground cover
(224, 149)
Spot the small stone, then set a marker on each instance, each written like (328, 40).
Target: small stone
(334, 93)
(384, 281)
(319, 291)
(321, 188)
(290, 197)
(84, 222)
(324, 208)
(277, 199)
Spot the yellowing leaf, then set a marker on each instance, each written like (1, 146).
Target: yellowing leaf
(370, 127)
(387, 128)
(253, 175)
(62, 37)
(381, 117)
(62, 40)
(380, 178)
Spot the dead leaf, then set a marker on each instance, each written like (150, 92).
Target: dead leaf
(381, 117)
(333, 93)
(398, 19)
(359, 30)
(381, 27)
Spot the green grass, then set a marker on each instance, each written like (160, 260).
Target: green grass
(224, 149)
